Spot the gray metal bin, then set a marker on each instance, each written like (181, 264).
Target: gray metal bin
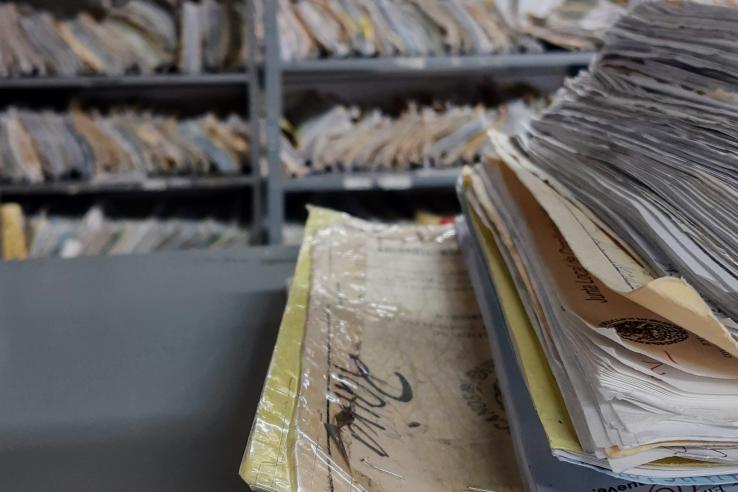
(137, 373)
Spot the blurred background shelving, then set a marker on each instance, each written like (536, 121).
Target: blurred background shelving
(270, 92)
(175, 91)
(375, 80)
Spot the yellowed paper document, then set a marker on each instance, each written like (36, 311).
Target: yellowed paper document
(398, 391)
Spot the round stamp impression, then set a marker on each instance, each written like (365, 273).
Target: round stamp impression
(649, 331)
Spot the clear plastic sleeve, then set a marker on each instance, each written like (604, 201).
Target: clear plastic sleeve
(396, 387)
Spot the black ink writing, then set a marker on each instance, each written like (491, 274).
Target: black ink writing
(361, 394)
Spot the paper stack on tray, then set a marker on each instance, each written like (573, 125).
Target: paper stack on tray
(537, 415)
(342, 28)
(382, 377)
(615, 213)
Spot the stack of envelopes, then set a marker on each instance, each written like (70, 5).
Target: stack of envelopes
(37, 146)
(615, 213)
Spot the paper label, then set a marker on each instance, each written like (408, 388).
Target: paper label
(395, 182)
(357, 183)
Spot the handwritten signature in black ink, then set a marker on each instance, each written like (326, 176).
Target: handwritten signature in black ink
(361, 394)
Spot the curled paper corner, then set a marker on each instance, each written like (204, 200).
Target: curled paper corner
(679, 302)
(604, 257)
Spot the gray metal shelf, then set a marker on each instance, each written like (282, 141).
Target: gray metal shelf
(104, 81)
(178, 183)
(422, 65)
(390, 180)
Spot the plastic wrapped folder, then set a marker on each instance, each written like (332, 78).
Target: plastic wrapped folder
(381, 378)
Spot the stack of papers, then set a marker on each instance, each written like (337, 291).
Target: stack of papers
(536, 414)
(614, 213)
(350, 139)
(137, 36)
(340, 28)
(96, 234)
(382, 378)
(571, 24)
(37, 146)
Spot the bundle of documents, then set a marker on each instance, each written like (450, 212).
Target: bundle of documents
(96, 234)
(615, 213)
(37, 146)
(212, 35)
(571, 24)
(339, 28)
(194, 36)
(350, 139)
(382, 378)
(137, 36)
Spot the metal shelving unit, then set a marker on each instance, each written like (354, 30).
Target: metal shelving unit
(248, 78)
(104, 81)
(278, 74)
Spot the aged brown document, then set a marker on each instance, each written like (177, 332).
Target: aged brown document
(398, 391)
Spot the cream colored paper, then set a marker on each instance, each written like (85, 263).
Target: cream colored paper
(695, 354)
(605, 257)
(619, 317)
